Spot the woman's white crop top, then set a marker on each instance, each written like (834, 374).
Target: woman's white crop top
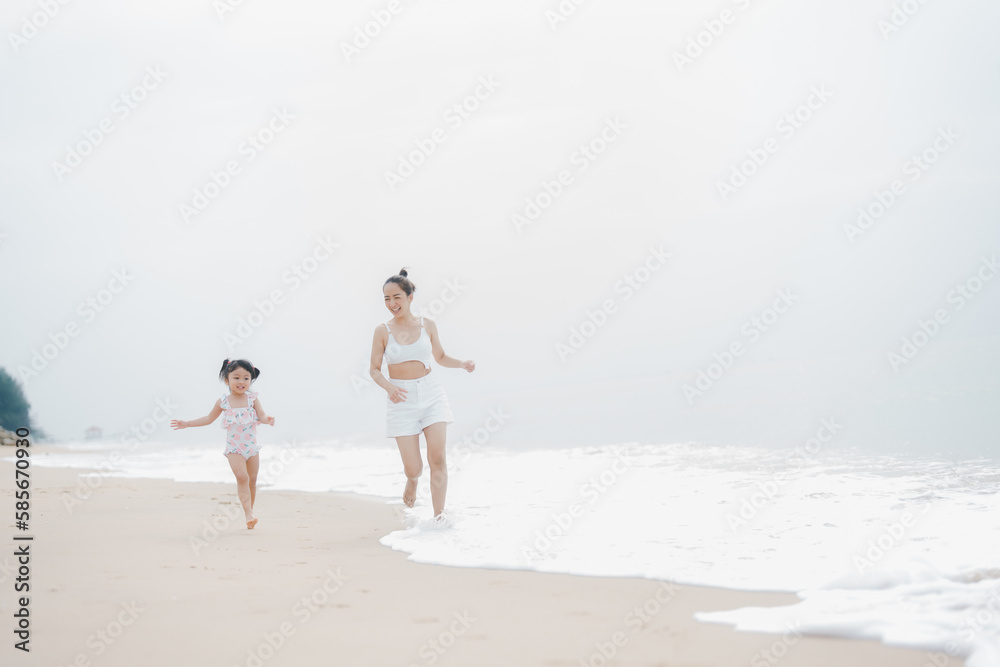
(419, 350)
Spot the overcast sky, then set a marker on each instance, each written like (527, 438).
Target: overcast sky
(619, 121)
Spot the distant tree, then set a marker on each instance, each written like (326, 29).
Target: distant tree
(14, 406)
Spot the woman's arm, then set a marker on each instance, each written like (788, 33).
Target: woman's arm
(261, 415)
(438, 350)
(396, 394)
(201, 421)
(378, 350)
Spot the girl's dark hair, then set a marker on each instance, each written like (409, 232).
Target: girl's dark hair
(401, 280)
(230, 365)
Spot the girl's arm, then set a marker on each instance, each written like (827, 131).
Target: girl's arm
(260, 413)
(396, 394)
(202, 421)
(438, 351)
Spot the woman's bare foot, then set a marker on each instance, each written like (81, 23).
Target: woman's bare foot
(410, 493)
(251, 523)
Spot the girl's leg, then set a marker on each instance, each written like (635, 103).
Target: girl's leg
(253, 465)
(409, 451)
(435, 436)
(239, 466)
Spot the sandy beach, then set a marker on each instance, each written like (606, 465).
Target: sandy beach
(152, 572)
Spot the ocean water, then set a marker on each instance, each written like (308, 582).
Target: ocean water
(901, 550)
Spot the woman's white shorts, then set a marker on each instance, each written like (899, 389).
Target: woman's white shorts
(425, 404)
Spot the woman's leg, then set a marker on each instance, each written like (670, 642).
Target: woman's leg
(253, 466)
(239, 466)
(435, 435)
(409, 451)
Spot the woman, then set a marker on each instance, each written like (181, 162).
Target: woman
(416, 400)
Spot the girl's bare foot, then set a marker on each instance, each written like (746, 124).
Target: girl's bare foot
(251, 523)
(410, 493)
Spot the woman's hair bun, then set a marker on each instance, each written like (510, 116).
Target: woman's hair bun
(401, 280)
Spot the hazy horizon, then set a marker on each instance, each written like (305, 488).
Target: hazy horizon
(821, 107)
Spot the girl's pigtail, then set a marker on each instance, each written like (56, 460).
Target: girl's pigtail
(222, 373)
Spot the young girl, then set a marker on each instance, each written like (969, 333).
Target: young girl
(242, 410)
(416, 401)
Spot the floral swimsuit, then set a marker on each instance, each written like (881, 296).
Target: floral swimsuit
(241, 427)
